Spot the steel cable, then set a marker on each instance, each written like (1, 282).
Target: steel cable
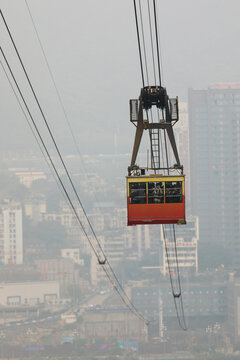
(175, 296)
(139, 45)
(151, 37)
(55, 86)
(63, 163)
(45, 148)
(50, 133)
(129, 304)
(143, 40)
(156, 33)
(32, 131)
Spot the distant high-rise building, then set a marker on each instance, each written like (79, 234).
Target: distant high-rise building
(214, 122)
(181, 131)
(11, 234)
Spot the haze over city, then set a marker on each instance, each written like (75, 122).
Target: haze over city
(75, 280)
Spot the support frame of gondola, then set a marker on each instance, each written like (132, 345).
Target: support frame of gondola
(146, 100)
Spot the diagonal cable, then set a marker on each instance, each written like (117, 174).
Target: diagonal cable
(51, 134)
(46, 150)
(156, 33)
(143, 40)
(32, 131)
(122, 294)
(60, 156)
(178, 295)
(139, 44)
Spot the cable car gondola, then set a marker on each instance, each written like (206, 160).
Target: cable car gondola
(155, 199)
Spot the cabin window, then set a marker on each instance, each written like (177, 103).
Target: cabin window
(155, 192)
(173, 191)
(137, 193)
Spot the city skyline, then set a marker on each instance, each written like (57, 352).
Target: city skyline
(75, 279)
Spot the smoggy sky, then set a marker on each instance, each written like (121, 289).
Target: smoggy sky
(92, 50)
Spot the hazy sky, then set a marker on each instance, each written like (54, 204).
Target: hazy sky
(92, 50)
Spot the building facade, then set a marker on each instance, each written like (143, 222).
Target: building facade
(60, 270)
(204, 302)
(11, 234)
(181, 132)
(187, 248)
(29, 293)
(73, 254)
(214, 122)
(35, 206)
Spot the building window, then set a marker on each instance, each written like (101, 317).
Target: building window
(14, 300)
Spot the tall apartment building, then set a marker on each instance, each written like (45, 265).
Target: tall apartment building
(181, 132)
(11, 234)
(214, 121)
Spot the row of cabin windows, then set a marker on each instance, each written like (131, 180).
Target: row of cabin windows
(155, 192)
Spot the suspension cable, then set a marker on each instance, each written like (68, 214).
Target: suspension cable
(175, 295)
(59, 97)
(139, 45)
(128, 303)
(151, 37)
(143, 39)
(63, 163)
(54, 82)
(160, 48)
(32, 131)
(169, 245)
(156, 33)
(176, 255)
(132, 308)
(46, 150)
(50, 133)
(179, 278)
(175, 282)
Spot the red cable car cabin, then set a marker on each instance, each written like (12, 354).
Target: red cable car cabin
(155, 199)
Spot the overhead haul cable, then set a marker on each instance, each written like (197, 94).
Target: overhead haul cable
(130, 305)
(45, 148)
(139, 45)
(32, 131)
(176, 294)
(156, 33)
(151, 37)
(144, 45)
(60, 101)
(53, 81)
(50, 131)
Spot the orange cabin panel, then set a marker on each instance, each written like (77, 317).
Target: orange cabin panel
(156, 200)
